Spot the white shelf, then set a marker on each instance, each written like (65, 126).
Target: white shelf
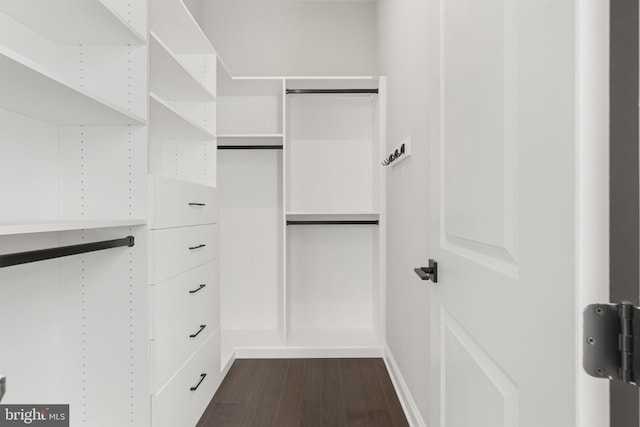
(355, 82)
(173, 22)
(250, 86)
(167, 123)
(169, 77)
(72, 22)
(347, 338)
(251, 136)
(31, 90)
(26, 227)
(332, 216)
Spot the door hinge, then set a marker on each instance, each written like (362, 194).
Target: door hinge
(611, 347)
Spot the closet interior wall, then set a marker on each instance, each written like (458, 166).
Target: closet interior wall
(73, 160)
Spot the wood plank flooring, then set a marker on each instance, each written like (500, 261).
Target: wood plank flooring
(305, 393)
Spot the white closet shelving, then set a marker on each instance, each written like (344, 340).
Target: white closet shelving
(171, 79)
(179, 29)
(184, 235)
(305, 213)
(73, 22)
(333, 189)
(73, 157)
(8, 228)
(251, 136)
(251, 212)
(169, 124)
(32, 90)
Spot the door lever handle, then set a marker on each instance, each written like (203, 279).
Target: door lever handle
(428, 273)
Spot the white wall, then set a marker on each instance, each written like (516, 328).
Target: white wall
(403, 38)
(274, 38)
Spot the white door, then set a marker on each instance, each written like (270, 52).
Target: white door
(504, 110)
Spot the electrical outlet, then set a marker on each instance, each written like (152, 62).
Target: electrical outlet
(399, 153)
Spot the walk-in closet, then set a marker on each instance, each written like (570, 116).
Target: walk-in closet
(163, 217)
(284, 213)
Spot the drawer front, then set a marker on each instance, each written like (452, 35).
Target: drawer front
(178, 405)
(172, 349)
(177, 203)
(173, 300)
(176, 250)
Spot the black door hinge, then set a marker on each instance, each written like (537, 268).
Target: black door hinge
(611, 347)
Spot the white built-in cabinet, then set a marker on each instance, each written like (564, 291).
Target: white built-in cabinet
(301, 217)
(73, 168)
(183, 217)
(107, 130)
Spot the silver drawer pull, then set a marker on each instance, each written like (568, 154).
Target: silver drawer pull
(202, 376)
(199, 330)
(199, 288)
(197, 247)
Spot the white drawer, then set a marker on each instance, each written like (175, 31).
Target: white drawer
(178, 405)
(177, 203)
(193, 291)
(175, 250)
(172, 349)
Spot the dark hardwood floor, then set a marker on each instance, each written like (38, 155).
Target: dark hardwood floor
(305, 393)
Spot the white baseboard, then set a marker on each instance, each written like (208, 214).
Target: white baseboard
(406, 400)
(306, 352)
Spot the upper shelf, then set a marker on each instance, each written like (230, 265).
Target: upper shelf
(167, 123)
(246, 86)
(172, 21)
(170, 79)
(341, 82)
(72, 22)
(31, 90)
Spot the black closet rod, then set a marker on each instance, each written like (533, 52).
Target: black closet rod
(249, 147)
(305, 91)
(334, 222)
(62, 251)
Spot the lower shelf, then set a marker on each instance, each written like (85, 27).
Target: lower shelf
(27, 227)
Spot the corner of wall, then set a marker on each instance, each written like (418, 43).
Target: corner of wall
(404, 394)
